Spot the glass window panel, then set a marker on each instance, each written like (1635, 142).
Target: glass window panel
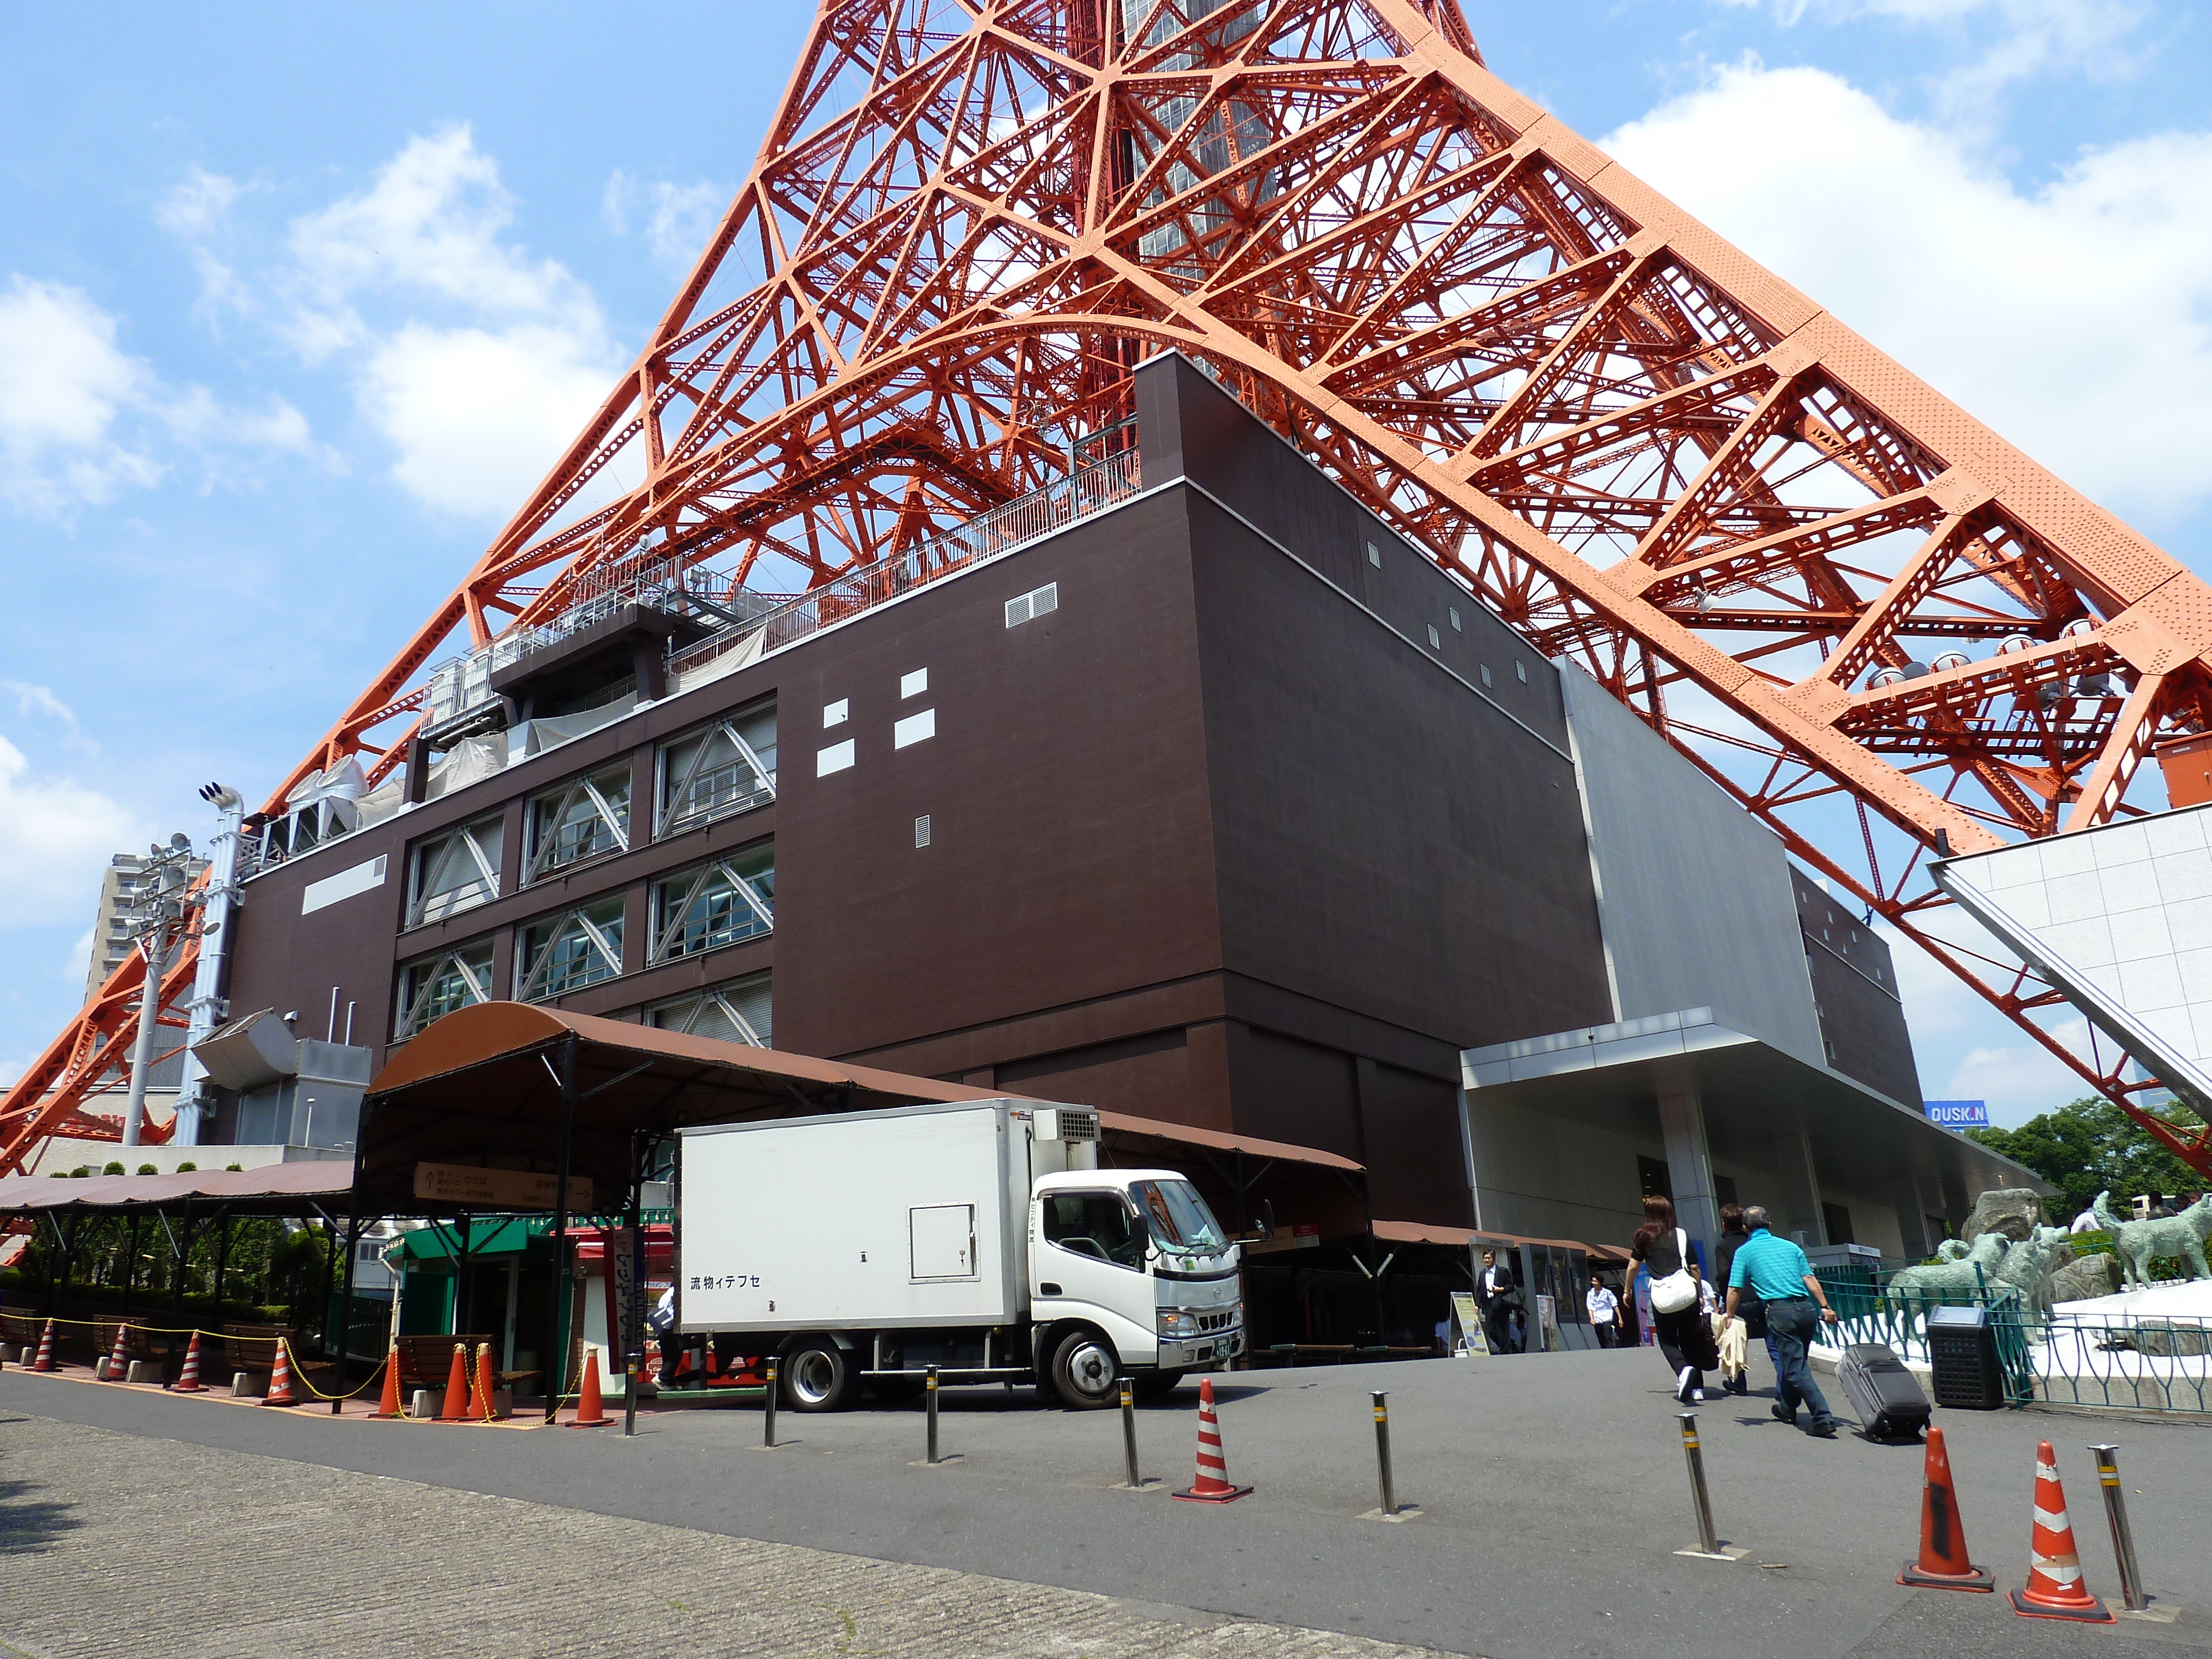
(584, 818)
(567, 952)
(432, 988)
(739, 1012)
(457, 872)
(709, 774)
(716, 904)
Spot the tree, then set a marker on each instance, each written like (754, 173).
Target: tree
(2089, 1146)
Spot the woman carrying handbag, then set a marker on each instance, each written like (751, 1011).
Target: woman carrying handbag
(1684, 1334)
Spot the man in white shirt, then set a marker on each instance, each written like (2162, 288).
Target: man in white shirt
(1604, 1312)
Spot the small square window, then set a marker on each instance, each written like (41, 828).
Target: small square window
(1486, 673)
(836, 758)
(914, 728)
(914, 684)
(835, 714)
(921, 830)
(1436, 640)
(1521, 671)
(1374, 555)
(1456, 629)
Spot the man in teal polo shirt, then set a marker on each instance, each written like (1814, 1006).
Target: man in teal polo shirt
(1777, 1273)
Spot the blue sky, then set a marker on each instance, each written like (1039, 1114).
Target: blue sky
(296, 302)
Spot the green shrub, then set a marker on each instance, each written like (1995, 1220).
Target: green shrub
(186, 1167)
(115, 1168)
(150, 1168)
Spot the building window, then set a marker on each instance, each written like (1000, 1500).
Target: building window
(584, 818)
(1521, 671)
(714, 904)
(434, 986)
(1037, 602)
(736, 1013)
(567, 952)
(721, 769)
(1435, 641)
(1485, 674)
(1454, 615)
(455, 871)
(1374, 555)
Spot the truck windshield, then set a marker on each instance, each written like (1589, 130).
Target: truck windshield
(1179, 1218)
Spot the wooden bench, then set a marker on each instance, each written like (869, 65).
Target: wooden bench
(427, 1360)
(136, 1345)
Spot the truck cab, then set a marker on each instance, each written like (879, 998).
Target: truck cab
(1128, 1272)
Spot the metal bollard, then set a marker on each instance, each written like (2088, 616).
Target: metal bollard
(1382, 1450)
(1708, 1540)
(929, 1403)
(1130, 1431)
(2124, 1540)
(768, 1428)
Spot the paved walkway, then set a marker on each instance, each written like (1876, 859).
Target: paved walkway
(113, 1544)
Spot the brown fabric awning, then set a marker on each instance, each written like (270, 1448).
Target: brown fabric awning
(1422, 1233)
(1125, 1127)
(481, 1086)
(273, 1190)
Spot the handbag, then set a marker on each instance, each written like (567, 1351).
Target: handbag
(1678, 1289)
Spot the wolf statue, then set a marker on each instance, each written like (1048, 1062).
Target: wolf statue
(1941, 1281)
(2137, 1242)
(2028, 1268)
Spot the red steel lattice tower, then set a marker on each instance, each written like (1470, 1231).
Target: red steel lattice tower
(1872, 621)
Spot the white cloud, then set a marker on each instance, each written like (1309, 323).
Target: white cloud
(2073, 320)
(478, 417)
(79, 961)
(197, 212)
(56, 836)
(2019, 1080)
(477, 362)
(81, 420)
(677, 219)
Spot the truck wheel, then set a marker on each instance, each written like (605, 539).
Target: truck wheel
(1156, 1385)
(816, 1378)
(1084, 1368)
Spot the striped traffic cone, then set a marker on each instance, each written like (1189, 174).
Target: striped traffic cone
(279, 1380)
(45, 1362)
(188, 1380)
(1212, 1486)
(2055, 1590)
(591, 1402)
(456, 1406)
(1944, 1563)
(119, 1363)
(388, 1405)
(480, 1402)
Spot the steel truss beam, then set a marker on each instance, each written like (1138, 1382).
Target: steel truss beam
(970, 218)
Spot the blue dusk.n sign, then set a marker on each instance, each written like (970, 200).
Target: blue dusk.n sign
(1959, 1113)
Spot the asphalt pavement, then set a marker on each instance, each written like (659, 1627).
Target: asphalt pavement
(1552, 1490)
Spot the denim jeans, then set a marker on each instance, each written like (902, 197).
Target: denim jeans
(1790, 1325)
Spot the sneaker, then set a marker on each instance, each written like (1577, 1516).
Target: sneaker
(1784, 1414)
(1682, 1384)
(1697, 1396)
(1823, 1430)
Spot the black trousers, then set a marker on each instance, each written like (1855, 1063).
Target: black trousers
(1686, 1339)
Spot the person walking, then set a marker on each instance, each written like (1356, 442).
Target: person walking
(1496, 1291)
(1680, 1325)
(1775, 1270)
(1604, 1312)
(1750, 1319)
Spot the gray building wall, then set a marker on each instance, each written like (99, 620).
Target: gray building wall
(1695, 894)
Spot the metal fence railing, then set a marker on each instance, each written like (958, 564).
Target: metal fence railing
(1000, 530)
(2120, 1363)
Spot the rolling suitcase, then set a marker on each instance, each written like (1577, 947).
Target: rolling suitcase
(1887, 1397)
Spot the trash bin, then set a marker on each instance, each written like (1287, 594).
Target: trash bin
(1962, 1359)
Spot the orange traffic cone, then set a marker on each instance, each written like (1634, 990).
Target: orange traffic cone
(456, 1408)
(2055, 1590)
(1944, 1563)
(188, 1380)
(119, 1363)
(1212, 1486)
(45, 1362)
(590, 1406)
(480, 1402)
(279, 1380)
(388, 1405)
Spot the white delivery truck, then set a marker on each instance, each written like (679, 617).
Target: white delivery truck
(978, 1236)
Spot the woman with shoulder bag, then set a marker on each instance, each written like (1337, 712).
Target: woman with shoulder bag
(1683, 1336)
